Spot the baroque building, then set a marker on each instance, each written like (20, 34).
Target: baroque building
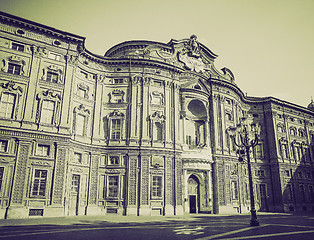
(138, 131)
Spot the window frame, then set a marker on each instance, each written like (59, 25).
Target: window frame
(40, 150)
(115, 188)
(116, 160)
(157, 187)
(6, 145)
(41, 180)
(6, 104)
(17, 46)
(14, 68)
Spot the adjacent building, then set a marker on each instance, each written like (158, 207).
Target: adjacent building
(138, 131)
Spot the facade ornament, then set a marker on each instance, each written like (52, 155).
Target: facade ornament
(116, 96)
(71, 59)
(156, 98)
(157, 117)
(11, 86)
(116, 113)
(81, 108)
(39, 51)
(190, 55)
(146, 80)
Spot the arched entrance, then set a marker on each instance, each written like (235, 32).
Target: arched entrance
(193, 194)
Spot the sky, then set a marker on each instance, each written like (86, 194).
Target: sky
(267, 44)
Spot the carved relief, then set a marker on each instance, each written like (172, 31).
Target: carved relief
(39, 51)
(156, 98)
(71, 59)
(116, 96)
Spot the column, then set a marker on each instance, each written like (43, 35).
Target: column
(168, 114)
(145, 113)
(169, 209)
(97, 121)
(134, 108)
(17, 204)
(178, 185)
(30, 105)
(58, 197)
(144, 208)
(132, 201)
(65, 124)
(92, 208)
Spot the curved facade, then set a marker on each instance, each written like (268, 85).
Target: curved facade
(138, 131)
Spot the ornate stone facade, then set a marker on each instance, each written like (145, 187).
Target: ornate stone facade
(138, 131)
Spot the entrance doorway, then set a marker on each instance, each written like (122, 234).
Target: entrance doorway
(263, 198)
(193, 192)
(74, 195)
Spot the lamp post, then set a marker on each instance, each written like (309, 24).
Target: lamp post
(248, 138)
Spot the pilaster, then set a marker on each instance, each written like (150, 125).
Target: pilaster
(132, 200)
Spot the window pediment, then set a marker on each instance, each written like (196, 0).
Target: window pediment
(116, 114)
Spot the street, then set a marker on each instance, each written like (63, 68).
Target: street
(198, 226)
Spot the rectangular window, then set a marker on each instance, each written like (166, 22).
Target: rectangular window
(39, 183)
(47, 112)
(258, 151)
(113, 184)
(116, 129)
(53, 56)
(118, 80)
(3, 145)
(14, 68)
(114, 160)
(77, 157)
(43, 150)
(80, 125)
(234, 190)
(1, 177)
(18, 47)
(7, 105)
(52, 77)
(157, 186)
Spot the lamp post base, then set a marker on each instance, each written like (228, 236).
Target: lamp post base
(254, 221)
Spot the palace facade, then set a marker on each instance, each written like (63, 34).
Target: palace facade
(138, 131)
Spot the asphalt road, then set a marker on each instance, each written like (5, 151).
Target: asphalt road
(200, 227)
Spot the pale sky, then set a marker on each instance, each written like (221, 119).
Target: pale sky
(267, 44)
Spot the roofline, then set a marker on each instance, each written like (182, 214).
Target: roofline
(34, 25)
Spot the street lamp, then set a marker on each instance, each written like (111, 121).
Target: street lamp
(248, 133)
